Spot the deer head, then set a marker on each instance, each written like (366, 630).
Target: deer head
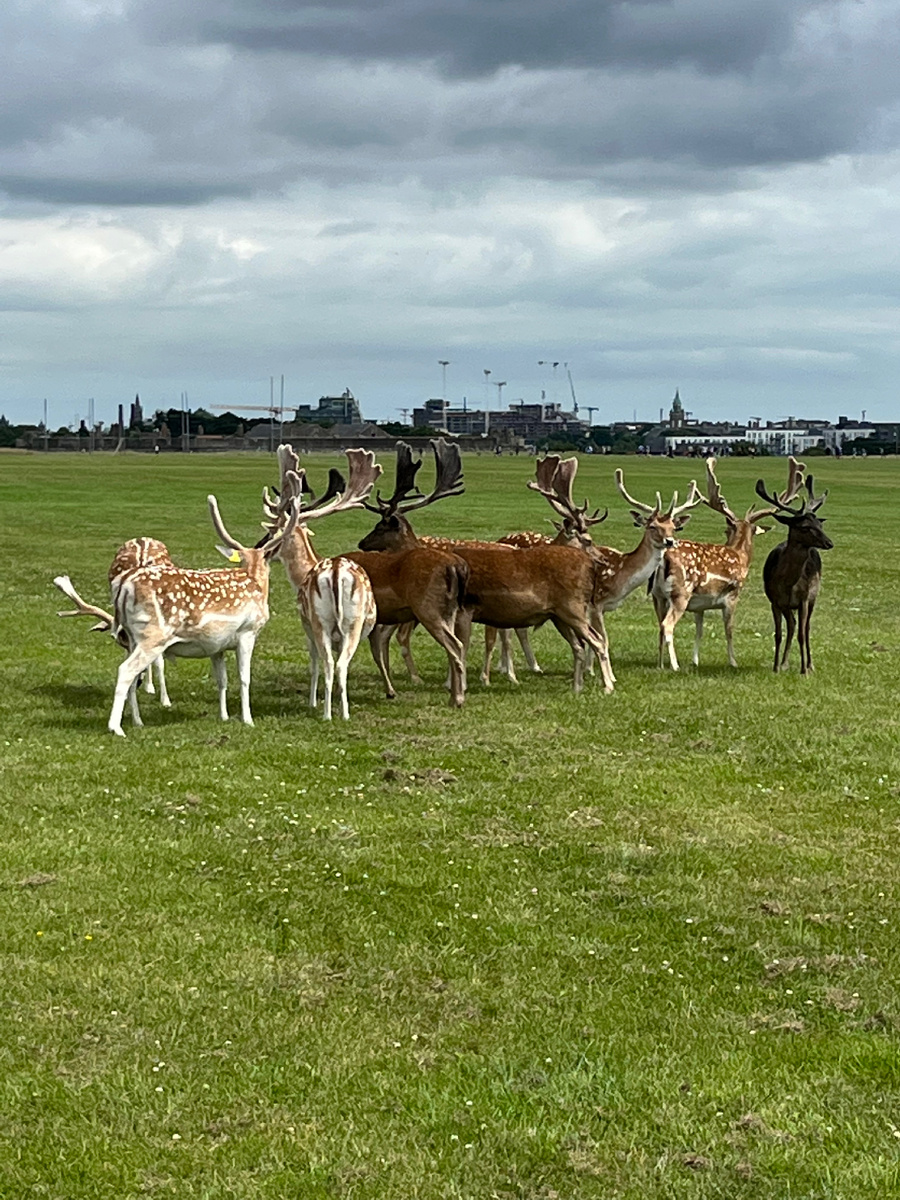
(804, 527)
(554, 479)
(393, 531)
(660, 526)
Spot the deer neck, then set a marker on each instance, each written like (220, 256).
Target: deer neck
(740, 539)
(640, 563)
(298, 556)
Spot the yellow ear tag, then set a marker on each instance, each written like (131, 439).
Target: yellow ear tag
(234, 557)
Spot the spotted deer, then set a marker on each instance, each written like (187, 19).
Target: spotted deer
(164, 610)
(792, 574)
(334, 595)
(698, 578)
(136, 553)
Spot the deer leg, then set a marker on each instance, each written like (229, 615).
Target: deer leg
(404, 635)
(379, 642)
(525, 643)
(507, 662)
(160, 666)
(348, 649)
(130, 668)
(577, 653)
(598, 623)
(244, 651)
(776, 614)
(326, 651)
(809, 613)
(791, 622)
(490, 641)
(728, 620)
(803, 634)
(220, 674)
(313, 650)
(698, 636)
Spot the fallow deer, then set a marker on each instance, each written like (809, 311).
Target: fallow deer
(508, 588)
(334, 595)
(792, 574)
(136, 553)
(618, 572)
(412, 582)
(696, 577)
(196, 614)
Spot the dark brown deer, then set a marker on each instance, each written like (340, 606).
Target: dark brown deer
(412, 582)
(792, 573)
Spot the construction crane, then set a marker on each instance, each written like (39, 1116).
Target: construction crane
(572, 389)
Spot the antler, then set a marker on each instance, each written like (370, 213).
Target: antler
(448, 478)
(695, 497)
(646, 508)
(270, 542)
(341, 495)
(795, 482)
(555, 478)
(815, 502)
(338, 496)
(714, 498)
(83, 609)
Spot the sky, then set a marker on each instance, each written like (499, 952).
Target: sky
(655, 194)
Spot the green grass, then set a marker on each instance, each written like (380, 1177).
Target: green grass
(544, 948)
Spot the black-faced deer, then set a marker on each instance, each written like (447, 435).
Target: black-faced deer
(334, 595)
(698, 578)
(792, 573)
(412, 582)
(196, 614)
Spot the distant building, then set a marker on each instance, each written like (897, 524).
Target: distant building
(533, 422)
(137, 414)
(342, 410)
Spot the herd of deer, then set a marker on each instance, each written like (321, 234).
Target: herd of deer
(397, 580)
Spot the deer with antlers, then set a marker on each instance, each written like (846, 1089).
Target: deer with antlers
(698, 578)
(619, 572)
(164, 610)
(509, 588)
(792, 574)
(334, 595)
(413, 582)
(134, 554)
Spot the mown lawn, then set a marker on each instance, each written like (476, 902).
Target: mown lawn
(544, 948)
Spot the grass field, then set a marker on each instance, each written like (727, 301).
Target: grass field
(544, 948)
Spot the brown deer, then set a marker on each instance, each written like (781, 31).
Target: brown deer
(509, 588)
(619, 572)
(334, 595)
(196, 614)
(412, 582)
(792, 574)
(698, 578)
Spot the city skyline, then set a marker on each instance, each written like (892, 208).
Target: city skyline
(400, 198)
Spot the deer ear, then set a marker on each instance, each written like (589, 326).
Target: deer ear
(782, 519)
(639, 518)
(682, 520)
(231, 555)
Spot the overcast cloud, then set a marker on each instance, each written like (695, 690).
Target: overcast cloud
(690, 194)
